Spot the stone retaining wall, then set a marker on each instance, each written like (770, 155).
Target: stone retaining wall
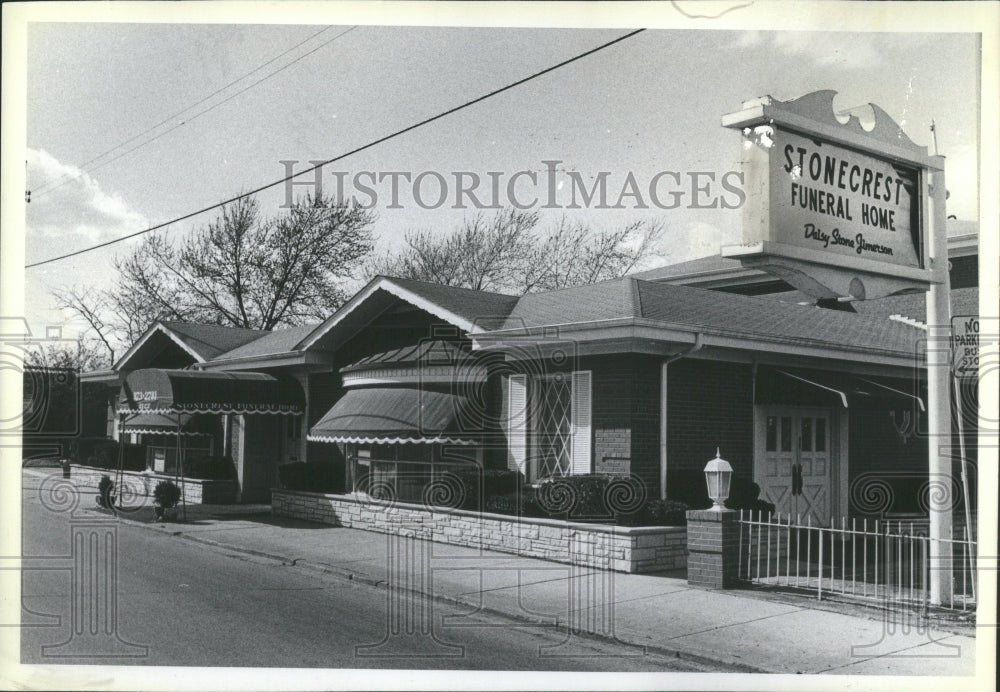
(140, 485)
(623, 549)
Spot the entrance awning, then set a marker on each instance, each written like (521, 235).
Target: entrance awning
(847, 387)
(162, 424)
(156, 390)
(394, 416)
(838, 391)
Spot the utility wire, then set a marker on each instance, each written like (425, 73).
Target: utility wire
(364, 147)
(201, 113)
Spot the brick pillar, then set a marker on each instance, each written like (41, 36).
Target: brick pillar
(713, 548)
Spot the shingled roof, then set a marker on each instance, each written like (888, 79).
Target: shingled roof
(271, 343)
(209, 340)
(477, 307)
(710, 312)
(964, 301)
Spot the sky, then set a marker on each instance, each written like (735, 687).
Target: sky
(649, 104)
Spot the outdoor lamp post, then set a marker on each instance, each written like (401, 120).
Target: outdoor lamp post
(718, 474)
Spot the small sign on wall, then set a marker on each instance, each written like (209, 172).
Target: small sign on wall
(617, 466)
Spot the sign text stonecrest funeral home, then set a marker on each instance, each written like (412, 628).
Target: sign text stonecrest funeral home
(831, 198)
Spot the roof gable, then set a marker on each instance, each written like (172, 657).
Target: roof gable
(200, 342)
(470, 310)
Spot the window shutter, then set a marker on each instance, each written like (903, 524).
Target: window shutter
(580, 422)
(517, 428)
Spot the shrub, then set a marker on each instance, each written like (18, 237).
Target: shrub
(592, 497)
(166, 494)
(689, 487)
(658, 513)
(106, 492)
(102, 453)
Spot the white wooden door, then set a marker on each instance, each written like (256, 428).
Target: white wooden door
(794, 461)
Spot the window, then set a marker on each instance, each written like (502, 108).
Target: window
(551, 427)
(786, 434)
(548, 424)
(161, 451)
(821, 434)
(402, 472)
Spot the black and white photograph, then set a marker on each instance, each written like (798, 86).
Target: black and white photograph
(502, 345)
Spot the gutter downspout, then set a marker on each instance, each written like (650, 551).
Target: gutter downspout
(663, 409)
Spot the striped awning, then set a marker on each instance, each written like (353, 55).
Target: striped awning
(155, 390)
(395, 415)
(165, 424)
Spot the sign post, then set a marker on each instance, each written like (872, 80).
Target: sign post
(846, 213)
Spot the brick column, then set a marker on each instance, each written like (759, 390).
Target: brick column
(713, 548)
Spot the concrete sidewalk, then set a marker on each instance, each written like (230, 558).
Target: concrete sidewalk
(739, 630)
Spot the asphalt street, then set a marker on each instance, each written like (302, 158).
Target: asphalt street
(176, 602)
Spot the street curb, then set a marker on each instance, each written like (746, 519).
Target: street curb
(353, 577)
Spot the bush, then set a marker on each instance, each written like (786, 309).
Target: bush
(592, 497)
(689, 487)
(106, 492)
(102, 453)
(210, 468)
(658, 513)
(307, 477)
(166, 494)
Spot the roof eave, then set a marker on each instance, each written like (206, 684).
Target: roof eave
(646, 328)
(269, 360)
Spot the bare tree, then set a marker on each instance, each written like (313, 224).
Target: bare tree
(94, 307)
(84, 355)
(241, 270)
(508, 253)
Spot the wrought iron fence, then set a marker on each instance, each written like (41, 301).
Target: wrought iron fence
(870, 559)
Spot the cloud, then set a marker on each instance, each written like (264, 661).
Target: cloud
(823, 49)
(69, 210)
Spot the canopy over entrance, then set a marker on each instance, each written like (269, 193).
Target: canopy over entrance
(799, 386)
(160, 391)
(161, 424)
(395, 415)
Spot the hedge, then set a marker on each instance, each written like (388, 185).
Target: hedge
(308, 477)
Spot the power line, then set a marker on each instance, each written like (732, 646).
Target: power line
(201, 113)
(371, 144)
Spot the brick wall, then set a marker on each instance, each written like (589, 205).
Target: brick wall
(626, 416)
(646, 422)
(612, 381)
(885, 471)
(709, 405)
(713, 545)
(636, 550)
